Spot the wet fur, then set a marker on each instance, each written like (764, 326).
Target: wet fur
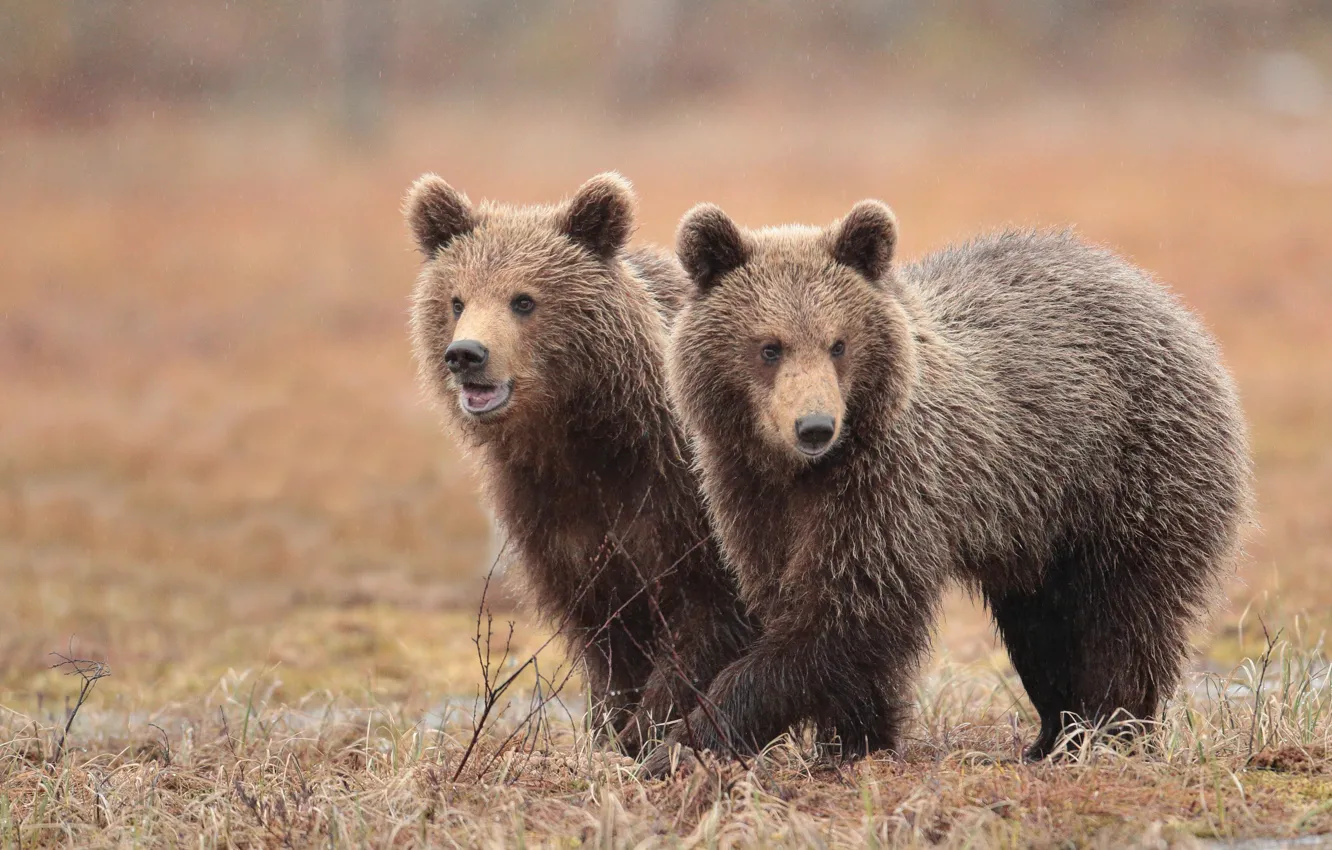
(1025, 414)
(588, 475)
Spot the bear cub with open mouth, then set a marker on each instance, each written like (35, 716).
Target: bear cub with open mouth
(543, 340)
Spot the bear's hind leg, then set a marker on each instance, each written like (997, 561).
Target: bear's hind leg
(1037, 634)
(1131, 643)
(1094, 647)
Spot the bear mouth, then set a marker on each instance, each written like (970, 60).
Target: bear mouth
(480, 398)
(814, 452)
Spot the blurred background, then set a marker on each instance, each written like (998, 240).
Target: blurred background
(213, 455)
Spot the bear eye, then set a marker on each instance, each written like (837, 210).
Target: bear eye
(771, 353)
(457, 307)
(838, 348)
(522, 304)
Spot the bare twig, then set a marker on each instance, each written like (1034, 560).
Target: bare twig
(490, 691)
(664, 652)
(226, 730)
(1266, 660)
(166, 742)
(493, 691)
(89, 672)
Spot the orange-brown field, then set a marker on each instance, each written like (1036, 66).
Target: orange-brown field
(218, 476)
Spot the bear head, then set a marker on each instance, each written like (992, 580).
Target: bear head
(796, 339)
(524, 312)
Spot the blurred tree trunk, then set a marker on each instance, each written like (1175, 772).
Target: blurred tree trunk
(645, 33)
(83, 60)
(356, 33)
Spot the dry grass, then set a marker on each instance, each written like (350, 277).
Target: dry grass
(238, 768)
(213, 459)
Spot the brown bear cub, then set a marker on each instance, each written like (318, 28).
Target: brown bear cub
(544, 340)
(1025, 414)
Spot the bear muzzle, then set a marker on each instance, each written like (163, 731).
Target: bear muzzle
(465, 355)
(478, 393)
(814, 433)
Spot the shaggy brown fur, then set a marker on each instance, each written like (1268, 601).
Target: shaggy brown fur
(544, 341)
(1026, 414)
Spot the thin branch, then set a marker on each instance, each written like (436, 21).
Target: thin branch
(89, 672)
(1266, 660)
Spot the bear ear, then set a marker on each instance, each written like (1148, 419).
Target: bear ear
(437, 213)
(710, 245)
(865, 239)
(601, 215)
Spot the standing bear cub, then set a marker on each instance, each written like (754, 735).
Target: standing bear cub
(1025, 414)
(544, 340)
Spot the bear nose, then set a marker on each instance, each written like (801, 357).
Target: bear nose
(814, 432)
(465, 354)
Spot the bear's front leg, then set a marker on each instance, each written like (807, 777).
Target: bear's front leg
(834, 675)
(685, 668)
(728, 721)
